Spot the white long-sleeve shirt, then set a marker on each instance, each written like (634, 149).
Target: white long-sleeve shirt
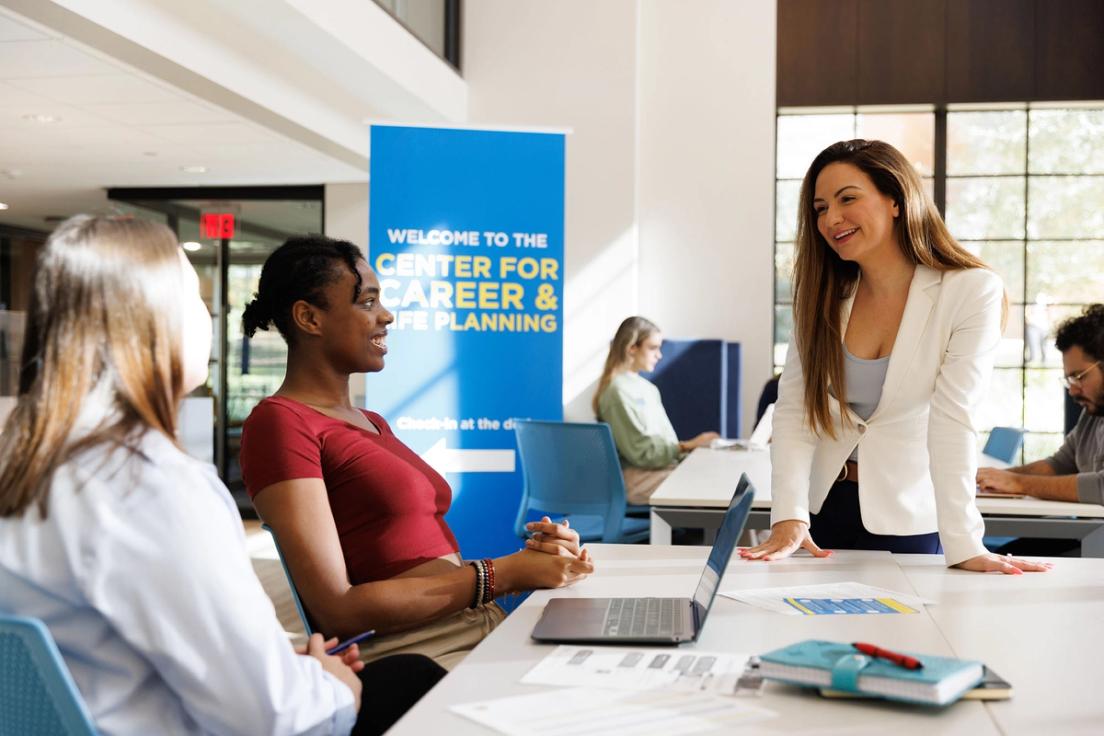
(140, 573)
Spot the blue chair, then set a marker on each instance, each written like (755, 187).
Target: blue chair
(1004, 443)
(572, 470)
(37, 693)
(291, 583)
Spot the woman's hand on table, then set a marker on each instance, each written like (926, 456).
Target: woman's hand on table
(552, 538)
(702, 440)
(1006, 564)
(786, 537)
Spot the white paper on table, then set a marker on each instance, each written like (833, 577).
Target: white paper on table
(639, 669)
(581, 711)
(774, 599)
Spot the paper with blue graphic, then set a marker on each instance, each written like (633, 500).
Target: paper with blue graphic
(829, 599)
(466, 234)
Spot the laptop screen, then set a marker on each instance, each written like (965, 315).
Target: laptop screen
(727, 536)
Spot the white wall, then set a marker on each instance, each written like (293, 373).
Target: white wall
(670, 168)
(705, 176)
(571, 63)
(346, 213)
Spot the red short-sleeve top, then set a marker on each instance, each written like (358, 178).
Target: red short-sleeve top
(388, 504)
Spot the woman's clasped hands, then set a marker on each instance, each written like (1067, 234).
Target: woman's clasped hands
(553, 556)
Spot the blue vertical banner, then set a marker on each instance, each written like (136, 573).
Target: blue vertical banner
(466, 235)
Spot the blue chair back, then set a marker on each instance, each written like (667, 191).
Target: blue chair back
(37, 693)
(1004, 443)
(291, 583)
(571, 469)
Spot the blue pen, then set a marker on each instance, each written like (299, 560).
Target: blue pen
(349, 642)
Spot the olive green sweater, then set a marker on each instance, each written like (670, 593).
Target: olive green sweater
(641, 430)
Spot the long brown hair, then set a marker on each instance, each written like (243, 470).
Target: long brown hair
(104, 316)
(822, 281)
(632, 332)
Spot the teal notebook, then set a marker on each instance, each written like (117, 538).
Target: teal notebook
(835, 665)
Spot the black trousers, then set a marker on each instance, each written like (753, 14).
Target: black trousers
(839, 526)
(391, 686)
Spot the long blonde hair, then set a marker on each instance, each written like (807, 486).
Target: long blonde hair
(823, 281)
(632, 332)
(105, 309)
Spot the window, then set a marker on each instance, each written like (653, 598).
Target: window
(1022, 186)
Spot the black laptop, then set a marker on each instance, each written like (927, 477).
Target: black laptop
(649, 620)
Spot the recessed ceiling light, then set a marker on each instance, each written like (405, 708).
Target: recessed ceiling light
(41, 118)
(191, 246)
(194, 169)
(3, 205)
(149, 153)
(12, 173)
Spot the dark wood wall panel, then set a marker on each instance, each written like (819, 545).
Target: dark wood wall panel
(1069, 58)
(870, 52)
(817, 52)
(990, 50)
(902, 52)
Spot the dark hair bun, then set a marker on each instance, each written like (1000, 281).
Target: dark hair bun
(255, 317)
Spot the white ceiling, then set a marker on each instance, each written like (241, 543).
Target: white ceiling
(117, 127)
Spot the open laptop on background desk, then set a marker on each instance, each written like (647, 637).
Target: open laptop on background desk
(649, 620)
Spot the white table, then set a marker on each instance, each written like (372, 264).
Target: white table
(961, 625)
(696, 494)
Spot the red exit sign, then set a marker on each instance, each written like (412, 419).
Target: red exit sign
(218, 225)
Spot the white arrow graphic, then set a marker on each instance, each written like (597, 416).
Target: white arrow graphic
(444, 460)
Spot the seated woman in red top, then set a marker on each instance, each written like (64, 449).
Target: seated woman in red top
(360, 516)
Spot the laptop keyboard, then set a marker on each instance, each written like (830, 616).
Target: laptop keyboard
(638, 617)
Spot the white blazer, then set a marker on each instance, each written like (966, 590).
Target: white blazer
(918, 451)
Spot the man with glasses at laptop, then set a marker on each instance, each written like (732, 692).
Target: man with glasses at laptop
(1076, 471)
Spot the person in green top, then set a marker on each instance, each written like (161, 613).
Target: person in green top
(631, 405)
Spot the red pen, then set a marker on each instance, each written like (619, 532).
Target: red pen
(901, 660)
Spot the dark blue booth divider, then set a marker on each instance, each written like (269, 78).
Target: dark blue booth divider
(699, 381)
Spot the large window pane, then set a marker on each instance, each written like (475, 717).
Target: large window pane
(1006, 257)
(1065, 207)
(1056, 314)
(1066, 142)
(802, 137)
(913, 134)
(1010, 352)
(786, 198)
(1068, 272)
(783, 272)
(986, 208)
(783, 326)
(1039, 446)
(1045, 400)
(991, 142)
(1003, 404)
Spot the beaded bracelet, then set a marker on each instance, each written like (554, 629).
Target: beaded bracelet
(489, 589)
(480, 582)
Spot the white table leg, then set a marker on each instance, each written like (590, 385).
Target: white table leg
(661, 530)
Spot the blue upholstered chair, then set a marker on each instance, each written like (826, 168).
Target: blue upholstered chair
(572, 470)
(37, 693)
(291, 583)
(1004, 443)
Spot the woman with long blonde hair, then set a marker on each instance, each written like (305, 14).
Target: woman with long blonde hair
(895, 330)
(631, 405)
(131, 552)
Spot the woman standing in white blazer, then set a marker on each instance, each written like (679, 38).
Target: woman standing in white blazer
(895, 330)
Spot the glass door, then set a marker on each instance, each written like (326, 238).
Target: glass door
(227, 240)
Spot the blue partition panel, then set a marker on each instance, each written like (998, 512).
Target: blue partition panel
(732, 374)
(690, 379)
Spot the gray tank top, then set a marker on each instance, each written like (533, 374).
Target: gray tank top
(864, 380)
